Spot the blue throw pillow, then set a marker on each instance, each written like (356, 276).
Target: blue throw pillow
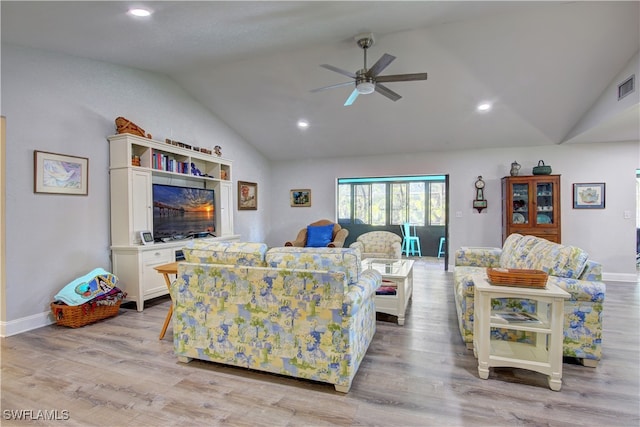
(319, 236)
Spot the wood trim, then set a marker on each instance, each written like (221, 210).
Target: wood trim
(3, 247)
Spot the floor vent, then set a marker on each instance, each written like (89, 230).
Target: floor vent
(626, 87)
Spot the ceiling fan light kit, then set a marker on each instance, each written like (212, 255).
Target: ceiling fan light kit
(367, 80)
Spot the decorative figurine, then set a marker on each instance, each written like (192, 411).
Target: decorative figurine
(515, 169)
(218, 150)
(127, 126)
(195, 171)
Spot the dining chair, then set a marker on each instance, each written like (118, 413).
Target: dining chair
(410, 240)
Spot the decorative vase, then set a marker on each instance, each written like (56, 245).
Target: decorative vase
(515, 169)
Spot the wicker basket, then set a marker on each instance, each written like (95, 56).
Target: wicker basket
(517, 277)
(75, 316)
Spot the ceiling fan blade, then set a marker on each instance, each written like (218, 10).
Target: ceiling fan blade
(339, 70)
(383, 90)
(401, 77)
(320, 89)
(382, 63)
(352, 97)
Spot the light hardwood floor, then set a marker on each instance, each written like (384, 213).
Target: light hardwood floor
(117, 373)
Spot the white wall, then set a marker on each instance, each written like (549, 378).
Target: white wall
(605, 234)
(67, 105)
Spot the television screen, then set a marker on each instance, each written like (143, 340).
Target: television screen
(180, 212)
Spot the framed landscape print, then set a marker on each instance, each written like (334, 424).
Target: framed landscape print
(589, 196)
(247, 196)
(60, 174)
(300, 198)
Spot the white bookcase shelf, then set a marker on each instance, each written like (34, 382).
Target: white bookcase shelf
(136, 164)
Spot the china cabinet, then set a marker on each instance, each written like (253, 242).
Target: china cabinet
(531, 206)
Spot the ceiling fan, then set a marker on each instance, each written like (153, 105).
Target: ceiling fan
(368, 80)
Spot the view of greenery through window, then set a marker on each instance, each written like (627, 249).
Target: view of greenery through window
(419, 200)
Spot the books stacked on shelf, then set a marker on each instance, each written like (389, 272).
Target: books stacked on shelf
(161, 161)
(513, 317)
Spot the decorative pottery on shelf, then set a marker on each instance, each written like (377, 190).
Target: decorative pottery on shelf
(515, 168)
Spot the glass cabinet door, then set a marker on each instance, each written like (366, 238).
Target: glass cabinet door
(520, 208)
(544, 203)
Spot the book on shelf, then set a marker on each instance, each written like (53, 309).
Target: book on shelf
(513, 317)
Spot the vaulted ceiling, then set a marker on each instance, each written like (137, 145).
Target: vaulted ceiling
(542, 65)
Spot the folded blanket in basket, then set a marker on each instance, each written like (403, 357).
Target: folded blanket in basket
(93, 284)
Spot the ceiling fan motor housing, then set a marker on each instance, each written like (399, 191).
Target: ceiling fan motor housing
(365, 84)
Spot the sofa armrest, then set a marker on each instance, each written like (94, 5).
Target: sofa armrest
(581, 290)
(592, 271)
(477, 257)
(338, 240)
(361, 291)
(357, 246)
(396, 247)
(301, 239)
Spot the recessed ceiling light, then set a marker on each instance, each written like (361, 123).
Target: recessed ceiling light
(485, 106)
(303, 124)
(140, 12)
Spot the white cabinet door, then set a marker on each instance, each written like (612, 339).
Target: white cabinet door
(226, 209)
(153, 284)
(141, 204)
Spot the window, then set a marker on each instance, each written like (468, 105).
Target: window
(638, 198)
(419, 200)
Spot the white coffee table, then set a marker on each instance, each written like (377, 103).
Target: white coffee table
(545, 356)
(400, 273)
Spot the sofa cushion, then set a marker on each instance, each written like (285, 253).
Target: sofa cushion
(324, 259)
(229, 253)
(319, 236)
(530, 252)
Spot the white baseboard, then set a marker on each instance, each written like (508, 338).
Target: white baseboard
(25, 324)
(620, 277)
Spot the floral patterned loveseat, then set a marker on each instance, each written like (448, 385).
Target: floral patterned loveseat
(303, 312)
(568, 267)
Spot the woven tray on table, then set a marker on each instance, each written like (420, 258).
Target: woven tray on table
(517, 277)
(75, 316)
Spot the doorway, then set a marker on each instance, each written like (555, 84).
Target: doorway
(367, 204)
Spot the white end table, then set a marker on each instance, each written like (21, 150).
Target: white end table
(547, 324)
(400, 272)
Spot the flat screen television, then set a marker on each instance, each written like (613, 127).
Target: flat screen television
(182, 212)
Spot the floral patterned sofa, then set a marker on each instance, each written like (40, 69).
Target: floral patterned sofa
(568, 267)
(303, 312)
(379, 244)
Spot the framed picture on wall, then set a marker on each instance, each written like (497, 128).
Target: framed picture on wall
(589, 196)
(60, 174)
(247, 196)
(300, 198)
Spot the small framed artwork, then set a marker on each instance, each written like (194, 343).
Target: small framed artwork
(589, 195)
(247, 196)
(60, 174)
(300, 198)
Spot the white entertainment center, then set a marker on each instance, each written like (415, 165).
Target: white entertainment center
(134, 168)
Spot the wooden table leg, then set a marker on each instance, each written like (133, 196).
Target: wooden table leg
(170, 313)
(166, 321)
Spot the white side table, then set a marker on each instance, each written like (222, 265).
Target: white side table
(545, 356)
(400, 272)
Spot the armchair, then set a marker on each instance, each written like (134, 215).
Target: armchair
(379, 244)
(338, 235)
